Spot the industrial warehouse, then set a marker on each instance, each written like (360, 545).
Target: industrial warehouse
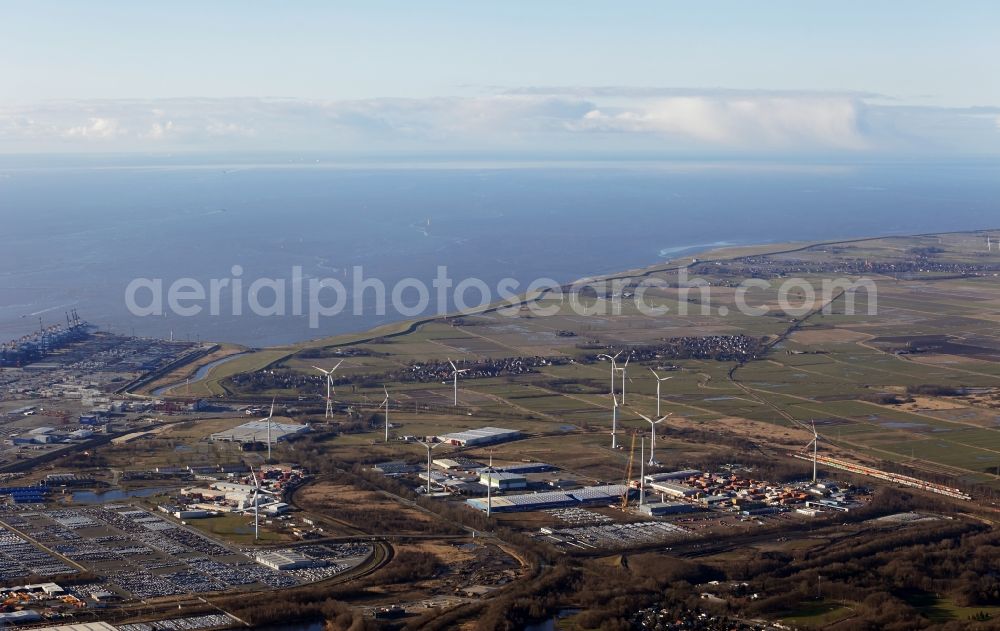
(257, 431)
(481, 436)
(288, 560)
(603, 494)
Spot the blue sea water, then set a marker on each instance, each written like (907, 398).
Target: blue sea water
(75, 233)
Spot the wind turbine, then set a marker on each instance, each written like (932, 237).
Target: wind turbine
(623, 368)
(455, 372)
(256, 504)
(429, 447)
(659, 380)
(269, 415)
(329, 387)
(489, 486)
(614, 422)
(652, 435)
(385, 404)
(814, 443)
(642, 472)
(612, 360)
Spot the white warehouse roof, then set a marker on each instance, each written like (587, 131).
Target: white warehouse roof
(483, 435)
(256, 431)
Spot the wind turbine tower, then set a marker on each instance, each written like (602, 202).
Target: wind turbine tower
(269, 416)
(652, 435)
(622, 369)
(814, 443)
(659, 380)
(613, 367)
(429, 447)
(455, 372)
(256, 503)
(385, 404)
(329, 387)
(489, 486)
(642, 472)
(256, 506)
(614, 422)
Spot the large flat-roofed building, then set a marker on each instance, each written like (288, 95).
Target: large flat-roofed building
(658, 509)
(287, 560)
(674, 490)
(481, 436)
(503, 480)
(552, 499)
(396, 467)
(672, 475)
(528, 467)
(81, 626)
(23, 616)
(521, 503)
(256, 432)
(601, 494)
(457, 463)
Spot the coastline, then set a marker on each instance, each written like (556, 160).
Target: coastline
(260, 359)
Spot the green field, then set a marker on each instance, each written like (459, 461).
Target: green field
(827, 368)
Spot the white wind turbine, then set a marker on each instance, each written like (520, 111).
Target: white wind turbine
(429, 447)
(329, 387)
(652, 435)
(489, 486)
(614, 422)
(814, 443)
(385, 404)
(622, 369)
(269, 416)
(642, 472)
(455, 372)
(258, 491)
(612, 360)
(659, 380)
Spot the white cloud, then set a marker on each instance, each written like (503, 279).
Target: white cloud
(530, 120)
(744, 122)
(222, 129)
(95, 128)
(158, 130)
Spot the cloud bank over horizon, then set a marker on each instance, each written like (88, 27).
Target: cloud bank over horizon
(528, 120)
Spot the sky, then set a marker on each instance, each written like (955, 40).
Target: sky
(889, 77)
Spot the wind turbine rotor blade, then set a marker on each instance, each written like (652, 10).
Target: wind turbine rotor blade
(643, 416)
(337, 366)
(453, 366)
